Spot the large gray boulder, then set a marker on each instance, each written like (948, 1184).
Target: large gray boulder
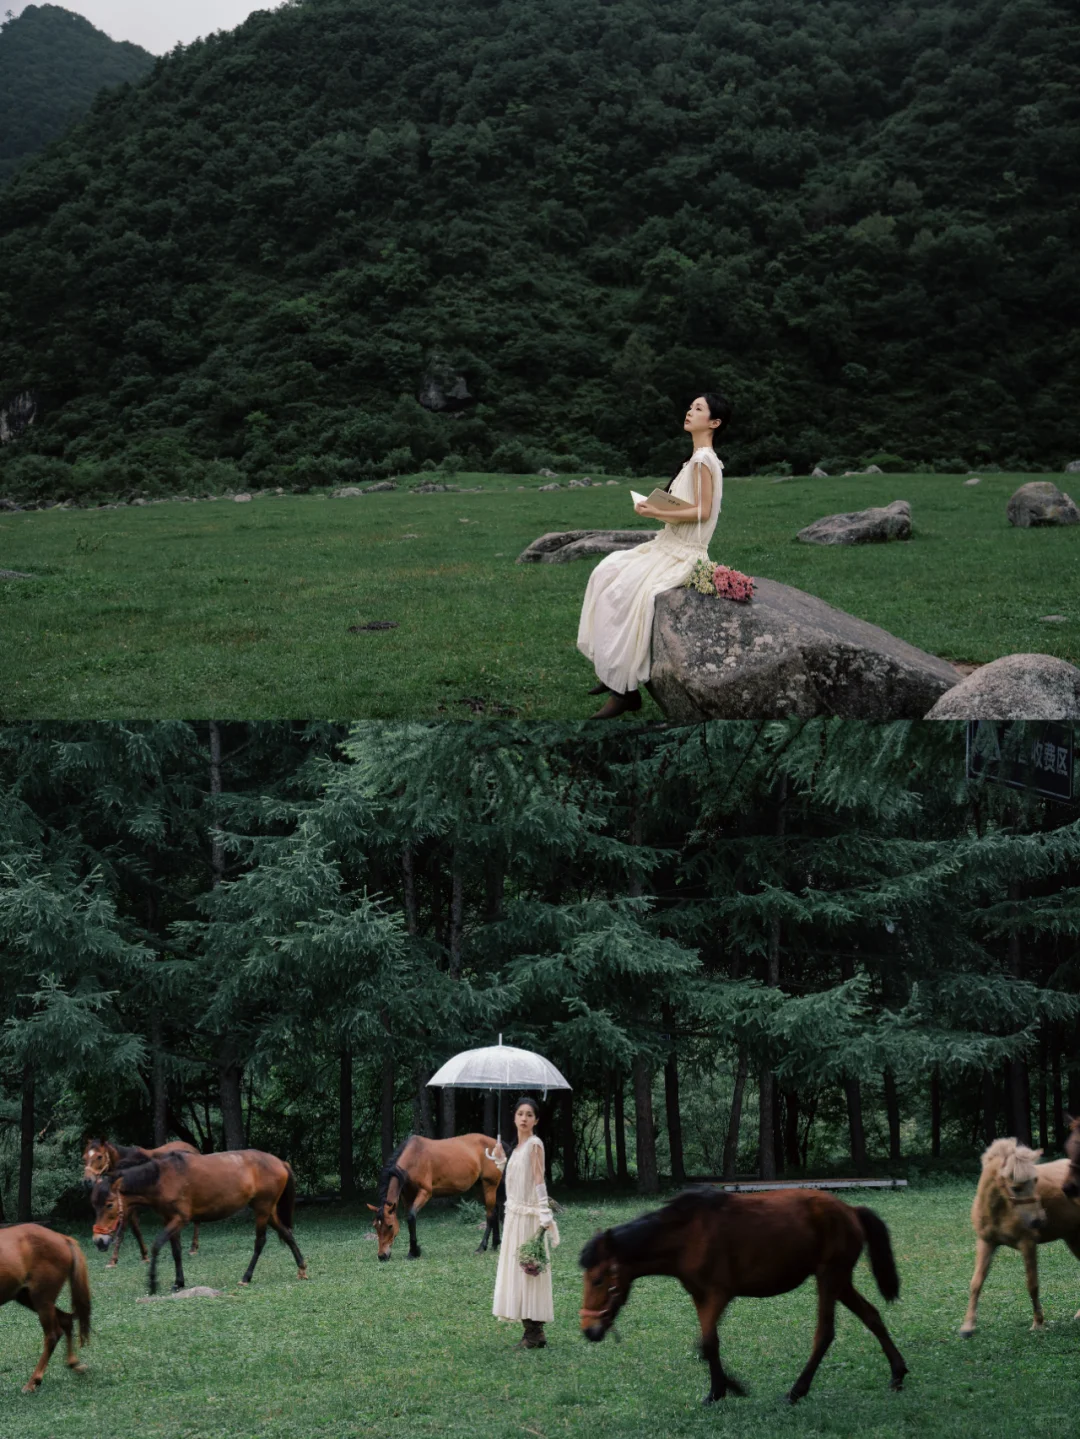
(1039, 503)
(560, 546)
(1073, 467)
(861, 527)
(1015, 687)
(783, 653)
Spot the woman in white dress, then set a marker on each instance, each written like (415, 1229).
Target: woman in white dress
(615, 630)
(521, 1296)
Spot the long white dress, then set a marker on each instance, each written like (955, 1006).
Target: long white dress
(615, 630)
(519, 1295)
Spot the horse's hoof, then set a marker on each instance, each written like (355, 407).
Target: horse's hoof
(111, 1264)
(245, 1283)
(145, 1259)
(77, 1368)
(302, 1274)
(966, 1333)
(177, 1286)
(31, 1387)
(411, 1255)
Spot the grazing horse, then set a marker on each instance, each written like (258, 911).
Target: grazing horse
(35, 1264)
(1071, 1187)
(186, 1187)
(100, 1156)
(1020, 1204)
(726, 1246)
(420, 1168)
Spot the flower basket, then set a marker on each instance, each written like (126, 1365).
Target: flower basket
(533, 1254)
(721, 582)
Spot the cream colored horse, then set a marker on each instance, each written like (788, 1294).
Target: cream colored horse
(1021, 1204)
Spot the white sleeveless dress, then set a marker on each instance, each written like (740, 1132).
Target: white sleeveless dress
(615, 630)
(519, 1295)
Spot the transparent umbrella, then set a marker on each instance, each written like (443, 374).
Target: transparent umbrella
(498, 1066)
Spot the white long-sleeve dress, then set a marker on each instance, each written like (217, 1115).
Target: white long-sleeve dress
(615, 630)
(519, 1295)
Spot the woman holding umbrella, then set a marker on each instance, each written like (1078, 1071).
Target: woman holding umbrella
(522, 1294)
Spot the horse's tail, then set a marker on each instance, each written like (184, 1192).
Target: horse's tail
(287, 1198)
(80, 1291)
(882, 1263)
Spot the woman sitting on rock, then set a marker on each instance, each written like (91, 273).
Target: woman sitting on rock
(615, 631)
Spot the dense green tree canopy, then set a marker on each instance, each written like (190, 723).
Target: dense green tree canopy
(860, 221)
(52, 64)
(275, 933)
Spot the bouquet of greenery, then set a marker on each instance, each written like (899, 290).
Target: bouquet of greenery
(533, 1254)
(719, 580)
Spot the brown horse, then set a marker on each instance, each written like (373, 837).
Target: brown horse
(724, 1246)
(100, 1156)
(186, 1187)
(1071, 1187)
(1020, 1204)
(420, 1168)
(35, 1264)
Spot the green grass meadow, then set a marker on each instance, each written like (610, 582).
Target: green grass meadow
(411, 1349)
(219, 608)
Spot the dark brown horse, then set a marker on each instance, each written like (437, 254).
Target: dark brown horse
(35, 1264)
(725, 1246)
(420, 1168)
(100, 1156)
(186, 1187)
(1071, 1187)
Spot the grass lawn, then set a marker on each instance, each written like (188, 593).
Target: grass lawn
(219, 609)
(410, 1349)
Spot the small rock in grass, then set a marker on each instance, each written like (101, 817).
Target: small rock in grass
(611, 482)
(1053, 619)
(817, 473)
(196, 1291)
(241, 499)
(975, 480)
(555, 486)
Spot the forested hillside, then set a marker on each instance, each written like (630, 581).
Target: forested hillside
(748, 947)
(52, 64)
(558, 221)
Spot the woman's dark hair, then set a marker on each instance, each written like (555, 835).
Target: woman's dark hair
(508, 1149)
(719, 409)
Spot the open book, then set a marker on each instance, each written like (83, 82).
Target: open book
(662, 501)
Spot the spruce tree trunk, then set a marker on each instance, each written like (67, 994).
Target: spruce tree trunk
(609, 1162)
(674, 1118)
(159, 1092)
(421, 1105)
(1019, 1090)
(892, 1110)
(791, 1128)
(622, 1173)
(569, 1148)
(935, 1113)
(648, 1181)
(345, 1125)
(24, 1211)
(853, 1094)
(778, 1127)
(989, 1107)
(766, 1165)
(386, 1104)
(1057, 1099)
(230, 1075)
(731, 1142)
(457, 926)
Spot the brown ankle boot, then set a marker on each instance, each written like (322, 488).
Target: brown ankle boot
(617, 704)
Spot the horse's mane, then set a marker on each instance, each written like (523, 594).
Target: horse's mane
(388, 1171)
(1015, 1162)
(638, 1237)
(138, 1176)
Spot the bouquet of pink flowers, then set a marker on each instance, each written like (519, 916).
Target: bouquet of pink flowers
(728, 584)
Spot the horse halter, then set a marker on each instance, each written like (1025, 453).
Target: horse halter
(613, 1288)
(106, 1229)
